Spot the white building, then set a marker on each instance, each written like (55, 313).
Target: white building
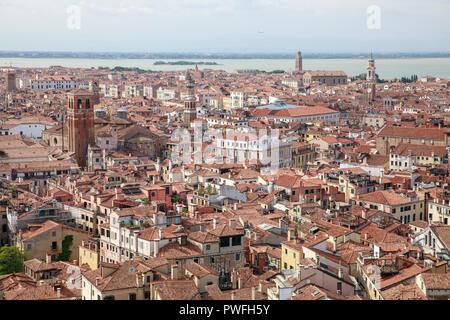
(50, 83)
(244, 145)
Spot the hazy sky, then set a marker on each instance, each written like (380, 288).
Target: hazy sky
(226, 25)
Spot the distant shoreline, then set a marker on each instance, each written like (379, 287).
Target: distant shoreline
(185, 63)
(117, 55)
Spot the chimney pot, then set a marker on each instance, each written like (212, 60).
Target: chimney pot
(174, 272)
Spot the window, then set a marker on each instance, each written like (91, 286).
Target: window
(224, 242)
(208, 247)
(339, 286)
(132, 296)
(238, 256)
(236, 241)
(147, 295)
(54, 245)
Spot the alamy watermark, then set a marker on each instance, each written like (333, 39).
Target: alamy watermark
(374, 18)
(73, 21)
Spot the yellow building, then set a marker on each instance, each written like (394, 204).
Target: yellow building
(291, 254)
(88, 253)
(90, 222)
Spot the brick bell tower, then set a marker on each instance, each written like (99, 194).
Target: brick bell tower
(80, 118)
(371, 79)
(190, 110)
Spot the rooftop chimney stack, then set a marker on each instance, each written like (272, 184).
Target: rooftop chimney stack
(232, 223)
(215, 223)
(174, 272)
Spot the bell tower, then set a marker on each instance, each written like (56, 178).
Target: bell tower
(299, 62)
(371, 79)
(190, 110)
(80, 118)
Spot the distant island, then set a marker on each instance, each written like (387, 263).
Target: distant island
(121, 69)
(184, 63)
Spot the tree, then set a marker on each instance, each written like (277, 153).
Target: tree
(66, 252)
(11, 260)
(176, 198)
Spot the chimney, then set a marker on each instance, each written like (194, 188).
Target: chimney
(75, 262)
(215, 223)
(260, 287)
(140, 280)
(232, 223)
(233, 295)
(364, 213)
(340, 275)
(160, 233)
(58, 292)
(298, 272)
(270, 188)
(174, 272)
(235, 206)
(156, 248)
(253, 293)
(96, 281)
(239, 283)
(41, 282)
(48, 258)
(366, 236)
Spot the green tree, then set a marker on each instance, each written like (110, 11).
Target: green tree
(11, 260)
(176, 198)
(66, 252)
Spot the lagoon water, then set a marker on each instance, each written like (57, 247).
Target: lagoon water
(386, 68)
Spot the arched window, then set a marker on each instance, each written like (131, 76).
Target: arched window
(55, 141)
